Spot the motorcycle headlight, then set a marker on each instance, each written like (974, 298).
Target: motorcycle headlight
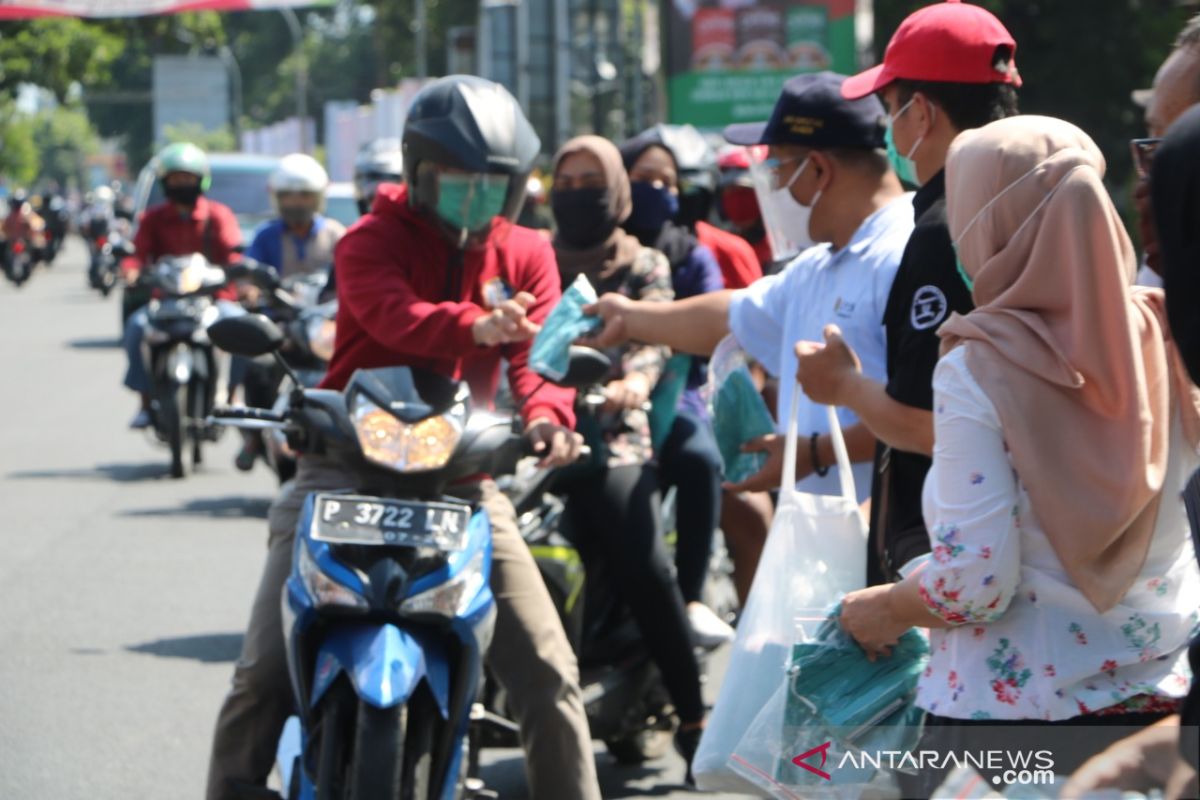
(453, 598)
(321, 334)
(324, 590)
(405, 448)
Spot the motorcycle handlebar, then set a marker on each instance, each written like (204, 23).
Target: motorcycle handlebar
(246, 412)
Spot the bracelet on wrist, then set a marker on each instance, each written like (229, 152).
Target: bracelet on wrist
(816, 459)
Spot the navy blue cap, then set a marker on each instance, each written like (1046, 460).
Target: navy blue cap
(811, 112)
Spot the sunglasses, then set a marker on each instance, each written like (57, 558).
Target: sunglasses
(1143, 154)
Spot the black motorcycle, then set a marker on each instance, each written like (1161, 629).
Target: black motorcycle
(105, 268)
(306, 312)
(20, 258)
(181, 360)
(627, 704)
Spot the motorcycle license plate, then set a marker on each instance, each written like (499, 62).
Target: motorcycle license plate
(349, 519)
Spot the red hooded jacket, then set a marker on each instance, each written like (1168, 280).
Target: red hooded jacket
(406, 297)
(740, 266)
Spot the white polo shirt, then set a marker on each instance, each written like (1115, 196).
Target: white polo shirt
(849, 288)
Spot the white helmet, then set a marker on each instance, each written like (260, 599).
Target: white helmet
(103, 194)
(298, 173)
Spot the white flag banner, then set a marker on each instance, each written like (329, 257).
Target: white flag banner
(25, 9)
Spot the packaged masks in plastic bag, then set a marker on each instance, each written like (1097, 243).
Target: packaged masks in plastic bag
(738, 411)
(853, 708)
(551, 350)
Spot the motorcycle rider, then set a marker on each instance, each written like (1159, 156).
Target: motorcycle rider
(187, 222)
(437, 276)
(299, 241)
(97, 219)
(23, 223)
(380, 161)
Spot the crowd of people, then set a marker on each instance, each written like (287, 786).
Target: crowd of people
(1021, 418)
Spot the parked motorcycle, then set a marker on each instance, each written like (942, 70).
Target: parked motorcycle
(387, 611)
(181, 360)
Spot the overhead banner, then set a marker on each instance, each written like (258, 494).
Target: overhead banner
(27, 9)
(728, 59)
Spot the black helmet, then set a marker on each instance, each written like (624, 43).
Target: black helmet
(470, 124)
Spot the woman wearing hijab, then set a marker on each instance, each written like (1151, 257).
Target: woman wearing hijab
(614, 501)
(689, 458)
(1062, 588)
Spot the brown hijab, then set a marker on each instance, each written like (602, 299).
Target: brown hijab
(1078, 364)
(619, 249)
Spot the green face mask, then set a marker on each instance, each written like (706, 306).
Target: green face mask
(904, 167)
(962, 273)
(469, 202)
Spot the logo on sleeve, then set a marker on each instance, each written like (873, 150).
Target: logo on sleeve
(929, 307)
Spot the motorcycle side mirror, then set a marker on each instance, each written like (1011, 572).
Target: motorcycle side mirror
(585, 367)
(249, 335)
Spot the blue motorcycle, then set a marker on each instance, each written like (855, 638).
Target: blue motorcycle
(387, 612)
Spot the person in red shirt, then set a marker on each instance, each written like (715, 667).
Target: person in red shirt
(188, 222)
(436, 276)
(737, 204)
(740, 265)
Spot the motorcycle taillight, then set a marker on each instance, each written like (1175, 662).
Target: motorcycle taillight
(18, 247)
(102, 240)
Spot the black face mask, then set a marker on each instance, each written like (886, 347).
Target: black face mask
(296, 217)
(582, 216)
(183, 195)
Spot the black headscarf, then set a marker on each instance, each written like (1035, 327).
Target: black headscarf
(1175, 192)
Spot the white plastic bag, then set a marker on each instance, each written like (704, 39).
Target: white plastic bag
(815, 552)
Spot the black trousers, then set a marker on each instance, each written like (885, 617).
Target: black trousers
(690, 461)
(615, 512)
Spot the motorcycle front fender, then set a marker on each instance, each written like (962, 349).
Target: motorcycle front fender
(180, 364)
(384, 663)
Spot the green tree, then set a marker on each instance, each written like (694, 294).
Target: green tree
(19, 161)
(64, 138)
(56, 53)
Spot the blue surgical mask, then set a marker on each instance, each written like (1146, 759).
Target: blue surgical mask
(905, 167)
(654, 205)
(470, 202)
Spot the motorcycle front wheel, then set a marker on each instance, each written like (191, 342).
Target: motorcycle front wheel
(172, 405)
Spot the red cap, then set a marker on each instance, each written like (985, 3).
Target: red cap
(951, 42)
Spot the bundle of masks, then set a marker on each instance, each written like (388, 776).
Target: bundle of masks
(738, 410)
(551, 352)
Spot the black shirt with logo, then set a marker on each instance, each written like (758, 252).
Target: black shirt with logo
(927, 289)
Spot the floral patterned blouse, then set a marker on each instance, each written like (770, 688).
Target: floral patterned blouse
(626, 434)
(1026, 643)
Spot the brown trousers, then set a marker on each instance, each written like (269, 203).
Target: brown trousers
(530, 655)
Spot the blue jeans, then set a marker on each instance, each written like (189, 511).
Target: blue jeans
(137, 377)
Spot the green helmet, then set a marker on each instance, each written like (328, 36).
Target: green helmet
(184, 157)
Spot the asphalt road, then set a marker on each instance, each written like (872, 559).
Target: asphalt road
(123, 593)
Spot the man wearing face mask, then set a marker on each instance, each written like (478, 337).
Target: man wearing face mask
(438, 277)
(301, 240)
(948, 68)
(187, 222)
(827, 158)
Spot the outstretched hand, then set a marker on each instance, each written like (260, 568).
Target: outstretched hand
(612, 309)
(506, 323)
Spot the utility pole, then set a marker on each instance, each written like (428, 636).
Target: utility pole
(297, 32)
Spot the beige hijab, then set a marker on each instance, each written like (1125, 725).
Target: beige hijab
(1078, 363)
(619, 249)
